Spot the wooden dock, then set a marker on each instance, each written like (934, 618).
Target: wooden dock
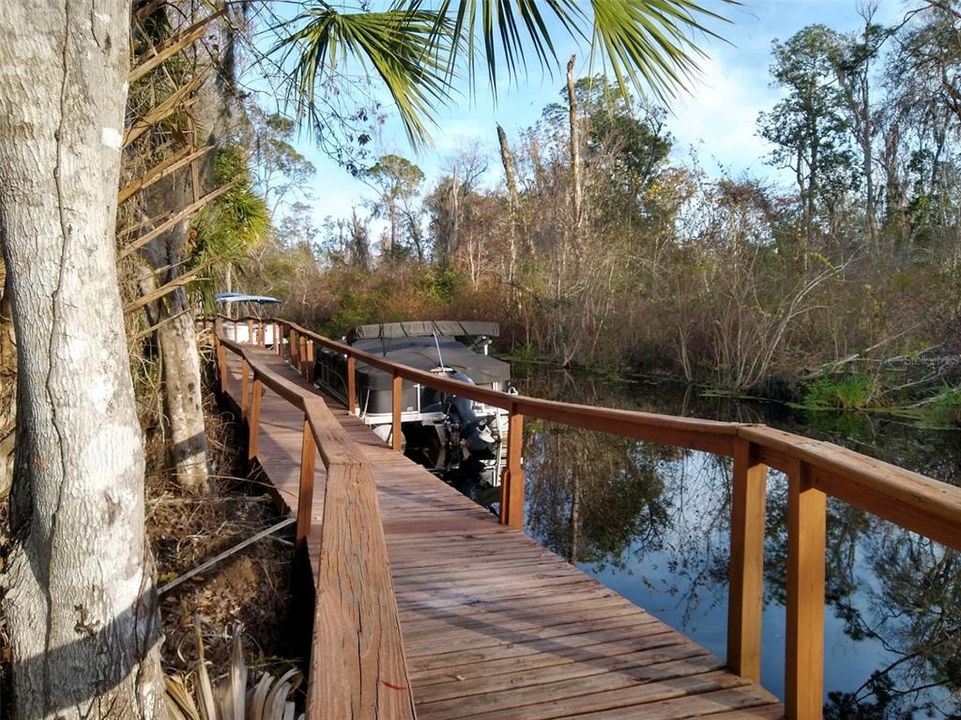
(493, 625)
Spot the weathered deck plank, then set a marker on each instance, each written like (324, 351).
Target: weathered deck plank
(494, 625)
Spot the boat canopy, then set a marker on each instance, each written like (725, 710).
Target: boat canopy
(424, 328)
(228, 298)
(421, 353)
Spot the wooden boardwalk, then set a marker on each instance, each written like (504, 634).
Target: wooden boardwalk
(495, 626)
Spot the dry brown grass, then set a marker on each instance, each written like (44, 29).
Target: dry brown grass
(251, 588)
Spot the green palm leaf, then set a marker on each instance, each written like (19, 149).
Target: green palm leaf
(416, 50)
(649, 43)
(402, 46)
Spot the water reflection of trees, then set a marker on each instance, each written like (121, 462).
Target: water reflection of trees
(697, 494)
(915, 612)
(591, 494)
(616, 503)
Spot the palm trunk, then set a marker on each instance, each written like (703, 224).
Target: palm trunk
(182, 386)
(510, 173)
(182, 391)
(80, 606)
(577, 193)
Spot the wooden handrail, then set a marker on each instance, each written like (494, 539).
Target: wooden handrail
(708, 435)
(815, 470)
(358, 668)
(901, 496)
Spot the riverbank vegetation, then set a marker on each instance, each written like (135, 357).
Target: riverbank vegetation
(599, 248)
(131, 152)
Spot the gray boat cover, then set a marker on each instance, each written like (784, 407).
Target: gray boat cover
(424, 328)
(421, 353)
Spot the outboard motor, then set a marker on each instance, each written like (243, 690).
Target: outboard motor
(473, 430)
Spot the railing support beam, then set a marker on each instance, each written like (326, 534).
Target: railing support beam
(244, 387)
(253, 420)
(305, 496)
(397, 398)
(302, 357)
(309, 366)
(806, 522)
(351, 384)
(221, 353)
(512, 479)
(746, 569)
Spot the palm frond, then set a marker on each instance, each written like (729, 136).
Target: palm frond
(402, 46)
(416, 50)
(269, 699)
(649, 43)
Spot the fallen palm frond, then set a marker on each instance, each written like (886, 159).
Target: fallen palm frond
(178, 100)
(171, 222)
(163, 290)
(173, 46)
(162, 170)
(229, 699)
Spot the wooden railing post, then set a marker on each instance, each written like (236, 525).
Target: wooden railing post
(305, 497)
(261, 332)
(309, 368)
(250, 331)
(397, 398)
(244, 387)
(512, 480)
(222, 367)
(351, 384)
(302, 357)
(746, 569)
(294, 347)
(253, 420)
(806, 527)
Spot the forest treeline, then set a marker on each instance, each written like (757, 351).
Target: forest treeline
(599, 249)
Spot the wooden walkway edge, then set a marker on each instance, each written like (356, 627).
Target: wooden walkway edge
(495, 626)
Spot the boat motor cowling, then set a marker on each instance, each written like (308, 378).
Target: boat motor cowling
(473, 430)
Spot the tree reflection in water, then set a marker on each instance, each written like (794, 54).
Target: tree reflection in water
(653, 523)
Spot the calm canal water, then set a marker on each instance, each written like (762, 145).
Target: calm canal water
(652, 523)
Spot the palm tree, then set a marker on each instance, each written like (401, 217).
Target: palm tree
(416, 51)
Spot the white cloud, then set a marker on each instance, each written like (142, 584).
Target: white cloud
(719, 117)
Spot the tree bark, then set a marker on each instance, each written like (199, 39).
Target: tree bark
(80, 604)
(176, 338)
(8, 385)
(182, 391)
(510, 173)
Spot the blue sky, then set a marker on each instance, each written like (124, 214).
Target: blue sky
(717, 115)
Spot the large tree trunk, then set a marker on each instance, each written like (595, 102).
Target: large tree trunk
(80, 605)
(177, 341)
(176, 338)
(510, 173)
(576, 190)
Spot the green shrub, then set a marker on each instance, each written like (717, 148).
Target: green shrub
(525, 353)
(440, 283)
(946, 406)
(850, 392)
